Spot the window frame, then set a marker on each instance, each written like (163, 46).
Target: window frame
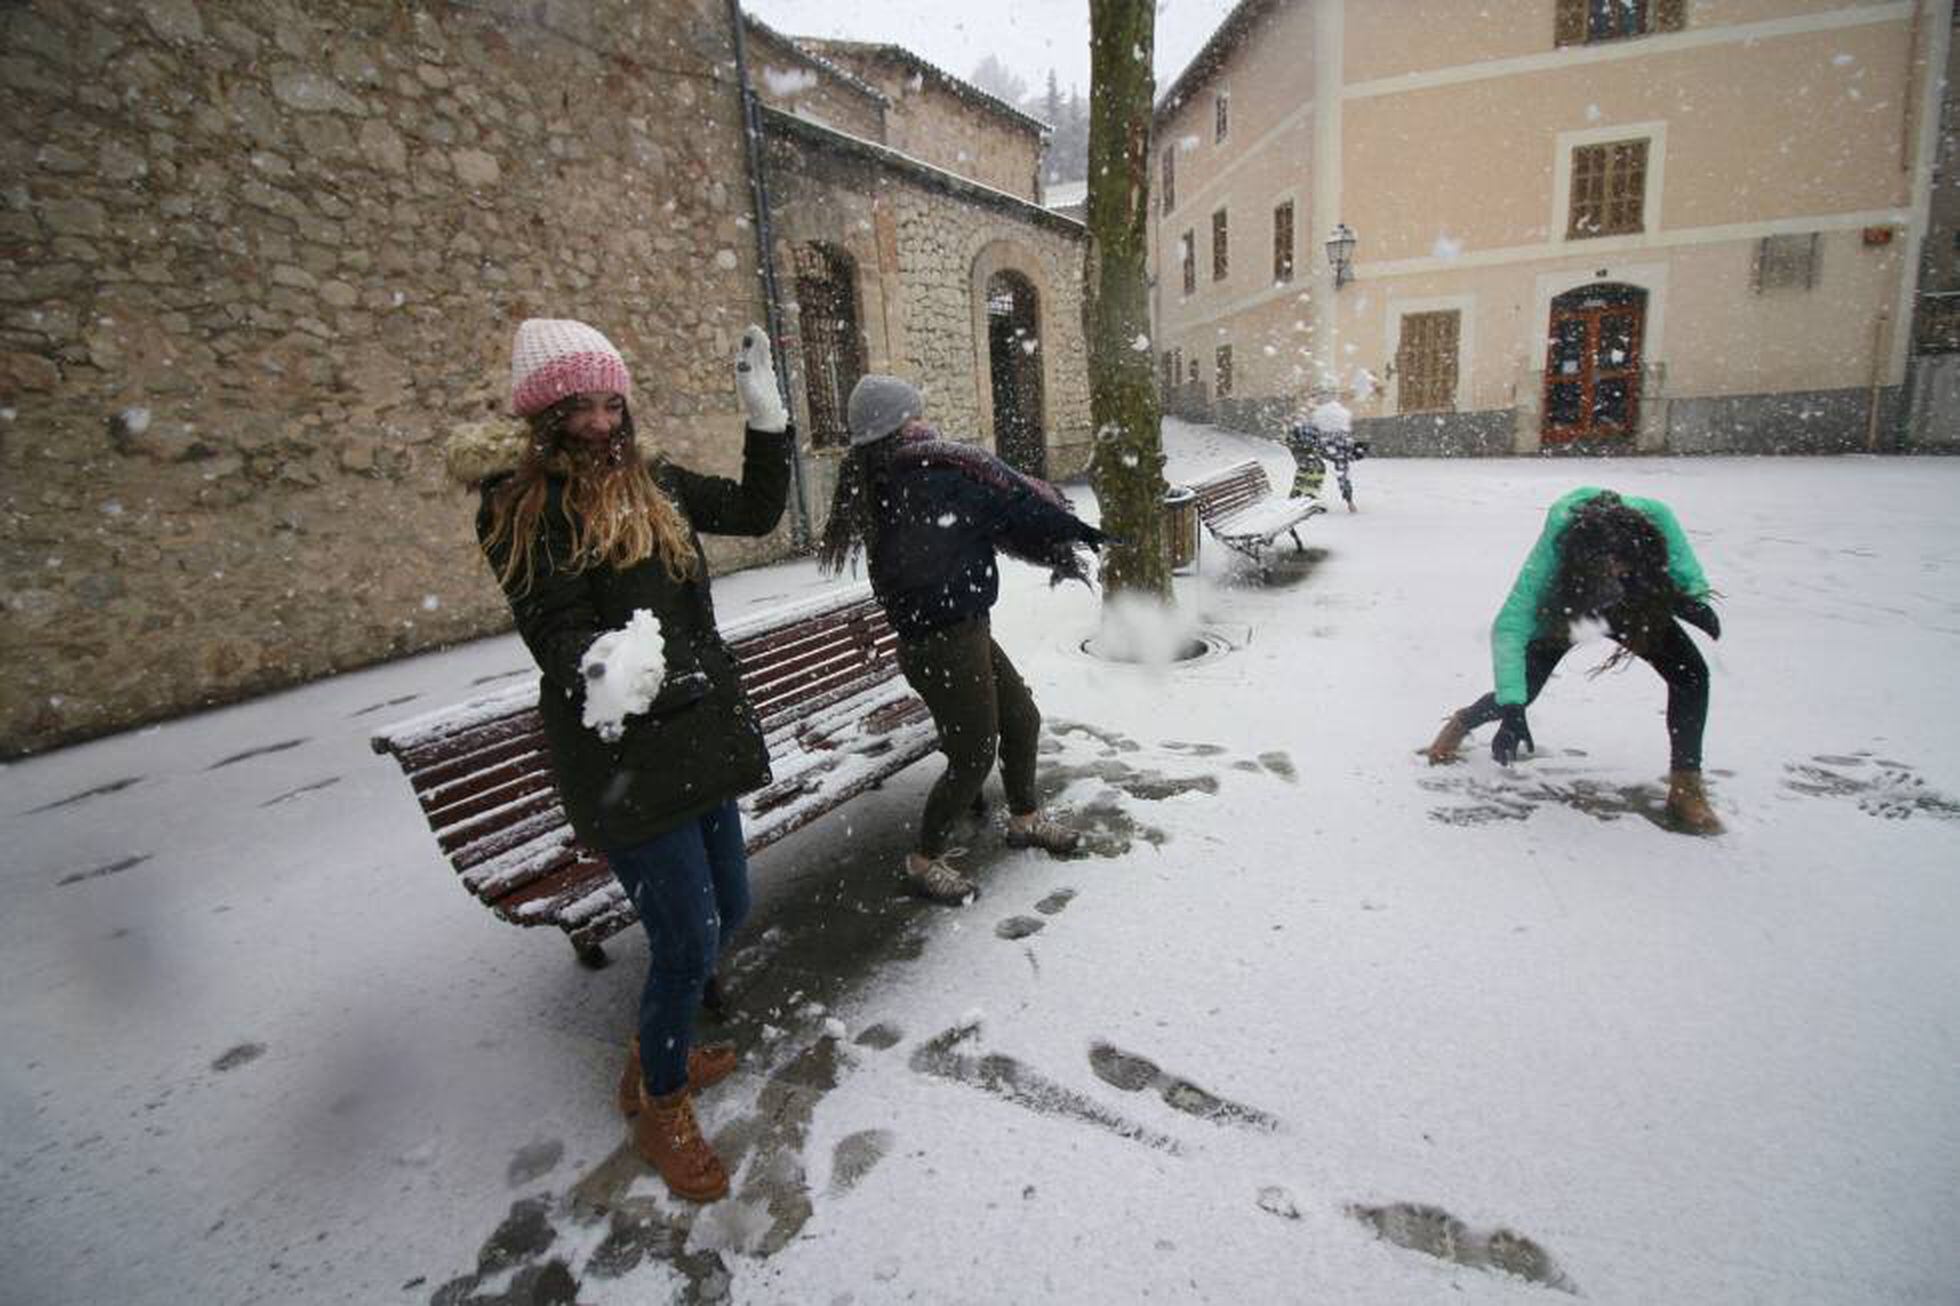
(1188, 256)
(1167, 177)
(1221, 244)
(1465, 308)
(1221, 115)
(1575, 22)
(1221, 368)
(1566, 146)
(1286, 258)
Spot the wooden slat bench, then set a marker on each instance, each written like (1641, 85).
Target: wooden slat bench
(1239, 507)
(823, 676)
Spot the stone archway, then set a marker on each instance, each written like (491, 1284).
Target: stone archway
(1032, 277)
(1014, 371)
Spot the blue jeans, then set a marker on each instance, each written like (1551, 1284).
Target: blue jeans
(691, 888)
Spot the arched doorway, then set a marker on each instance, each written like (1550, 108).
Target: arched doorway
(1592, 364)
(1014, 367)
(833, 348)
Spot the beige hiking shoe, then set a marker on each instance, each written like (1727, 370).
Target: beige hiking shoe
(668, 1138)
(939, 880)
(1043, 833)
(1687, 804)
(1443, 748)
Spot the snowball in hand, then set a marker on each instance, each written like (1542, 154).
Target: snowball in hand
(623, 670)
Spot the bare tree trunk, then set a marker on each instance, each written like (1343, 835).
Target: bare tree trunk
(1127, 468)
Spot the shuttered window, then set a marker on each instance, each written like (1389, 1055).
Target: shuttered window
(1283, 242)
(1425, 361)
(1224, 369)
(1188, 251)
(1786, 263)
(1222, 117)
(1170, 178)
(1609, 190)
(1221, 256)
(1583, 22)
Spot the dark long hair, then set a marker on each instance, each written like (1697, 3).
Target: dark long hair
(853, 521)
(1637, 594)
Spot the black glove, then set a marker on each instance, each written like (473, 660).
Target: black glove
(1698, 614)
(1513, 733)
(683, 689)
(1069, 567)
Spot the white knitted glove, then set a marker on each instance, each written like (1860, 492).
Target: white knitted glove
(755, 382)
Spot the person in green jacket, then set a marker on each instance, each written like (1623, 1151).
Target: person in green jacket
(1626, 562)
(596, 544)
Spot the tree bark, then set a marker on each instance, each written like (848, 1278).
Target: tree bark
(1127, 466)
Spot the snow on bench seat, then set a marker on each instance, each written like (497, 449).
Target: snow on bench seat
(839, 720)
(1239, 507)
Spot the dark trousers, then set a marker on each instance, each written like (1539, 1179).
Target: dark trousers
(691, 888)
(982, 708)
(1669, 652)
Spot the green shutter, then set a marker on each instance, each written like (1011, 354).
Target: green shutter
(1669, 15)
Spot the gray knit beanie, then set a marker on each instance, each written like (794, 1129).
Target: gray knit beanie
(880, 405)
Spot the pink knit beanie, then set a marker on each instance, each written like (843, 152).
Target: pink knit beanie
(555, 357)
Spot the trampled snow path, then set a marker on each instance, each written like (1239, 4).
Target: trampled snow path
(1306, 999)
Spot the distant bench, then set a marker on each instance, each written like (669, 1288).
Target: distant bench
(839, 720)
(1240, 508)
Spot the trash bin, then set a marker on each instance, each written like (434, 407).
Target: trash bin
(1181, 529)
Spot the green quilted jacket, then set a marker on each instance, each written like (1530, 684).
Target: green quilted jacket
(1517, 621)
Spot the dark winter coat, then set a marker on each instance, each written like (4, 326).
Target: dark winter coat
(937, 525)
(690, 752)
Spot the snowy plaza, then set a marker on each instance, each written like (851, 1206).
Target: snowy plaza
(1311, 1020)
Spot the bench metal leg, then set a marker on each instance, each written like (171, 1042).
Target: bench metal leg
(590, 955)
(1294, 531)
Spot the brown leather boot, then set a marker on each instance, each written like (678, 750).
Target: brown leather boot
(667, 1138)
(1687, 804)
(707, 1065)
(1448, 740)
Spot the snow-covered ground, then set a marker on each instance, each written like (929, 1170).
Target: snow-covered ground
(1305, 991)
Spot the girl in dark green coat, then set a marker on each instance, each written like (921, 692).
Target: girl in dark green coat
(1626, 562)
(586, 535)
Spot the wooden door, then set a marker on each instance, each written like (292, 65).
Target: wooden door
(1592, 365)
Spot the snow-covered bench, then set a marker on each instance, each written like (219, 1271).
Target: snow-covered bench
(1240, 508)
(822, 674)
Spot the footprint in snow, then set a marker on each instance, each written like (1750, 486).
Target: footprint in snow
(1134, 1074)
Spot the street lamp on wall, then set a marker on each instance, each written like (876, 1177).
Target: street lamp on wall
(1340, 254)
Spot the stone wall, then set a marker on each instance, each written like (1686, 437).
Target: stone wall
(255, 259)
(924, 245)
(948, 130)
(790, 79)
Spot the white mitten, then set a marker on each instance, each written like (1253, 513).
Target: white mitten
(755, 382)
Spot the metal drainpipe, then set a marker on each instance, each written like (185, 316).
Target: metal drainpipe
(765, 248)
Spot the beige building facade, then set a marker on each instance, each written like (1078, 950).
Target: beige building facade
(1639, 226)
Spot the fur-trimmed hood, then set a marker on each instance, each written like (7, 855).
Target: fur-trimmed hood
(476, 451)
